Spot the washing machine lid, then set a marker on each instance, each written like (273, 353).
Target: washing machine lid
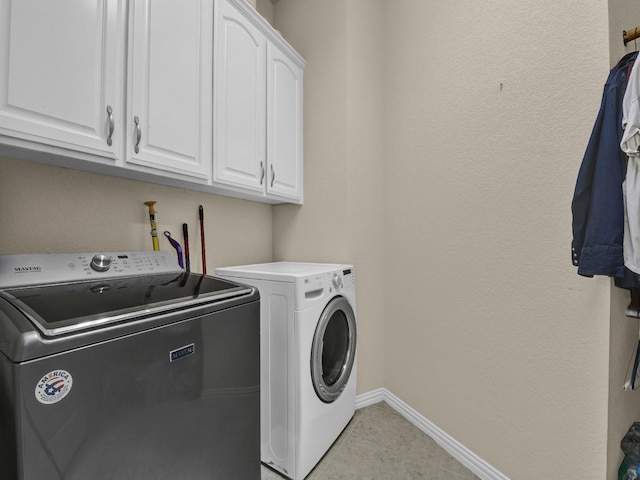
(280, 271)
(65, 293)
(57, 309)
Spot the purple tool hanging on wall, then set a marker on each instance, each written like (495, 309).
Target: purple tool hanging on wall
(175, 245)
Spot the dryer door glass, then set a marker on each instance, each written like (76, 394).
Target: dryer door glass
(333, 350)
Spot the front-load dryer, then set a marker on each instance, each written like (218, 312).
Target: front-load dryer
(307, 358)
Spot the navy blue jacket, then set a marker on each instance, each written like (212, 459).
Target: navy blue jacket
(597, 206)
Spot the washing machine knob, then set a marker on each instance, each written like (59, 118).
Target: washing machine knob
(100, 263)
(337, 281)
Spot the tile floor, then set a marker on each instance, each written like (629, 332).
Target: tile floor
(380, 444)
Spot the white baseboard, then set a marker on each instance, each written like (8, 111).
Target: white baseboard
(369, 398)
(466, 457)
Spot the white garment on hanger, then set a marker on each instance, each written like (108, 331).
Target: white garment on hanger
(630, 145)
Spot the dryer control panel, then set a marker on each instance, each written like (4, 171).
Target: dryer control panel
(348, 279)
(320, 286)
(311, 283)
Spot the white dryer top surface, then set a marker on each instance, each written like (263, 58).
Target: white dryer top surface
(282, 271)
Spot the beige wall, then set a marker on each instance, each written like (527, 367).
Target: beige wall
(342, 219)
(46, 209)
(495, 338)
(487, 330)
(265, 8)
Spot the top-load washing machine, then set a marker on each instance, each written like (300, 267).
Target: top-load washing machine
(121, 365)
(307, 359)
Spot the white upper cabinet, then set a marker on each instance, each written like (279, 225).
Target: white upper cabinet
(239, 101)
(61, 70)
(257, 106)
(198, 94)
(169, 86)
(284, 133)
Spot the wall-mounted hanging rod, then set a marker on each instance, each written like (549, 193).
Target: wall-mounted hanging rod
(629, 35)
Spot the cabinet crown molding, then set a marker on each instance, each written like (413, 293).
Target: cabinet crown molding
(267, 29)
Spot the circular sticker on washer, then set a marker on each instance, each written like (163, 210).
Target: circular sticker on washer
(54, 386)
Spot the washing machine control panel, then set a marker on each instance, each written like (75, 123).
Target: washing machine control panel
(40, 269)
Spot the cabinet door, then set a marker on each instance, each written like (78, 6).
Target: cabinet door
(239, 101)
(60, 71)
(284, 126)
(169, 96)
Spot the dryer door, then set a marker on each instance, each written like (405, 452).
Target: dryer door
(334, 349)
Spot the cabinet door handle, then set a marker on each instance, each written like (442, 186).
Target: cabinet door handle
(111, 124)
(273, 175)
(262, 172)
(136, 147)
